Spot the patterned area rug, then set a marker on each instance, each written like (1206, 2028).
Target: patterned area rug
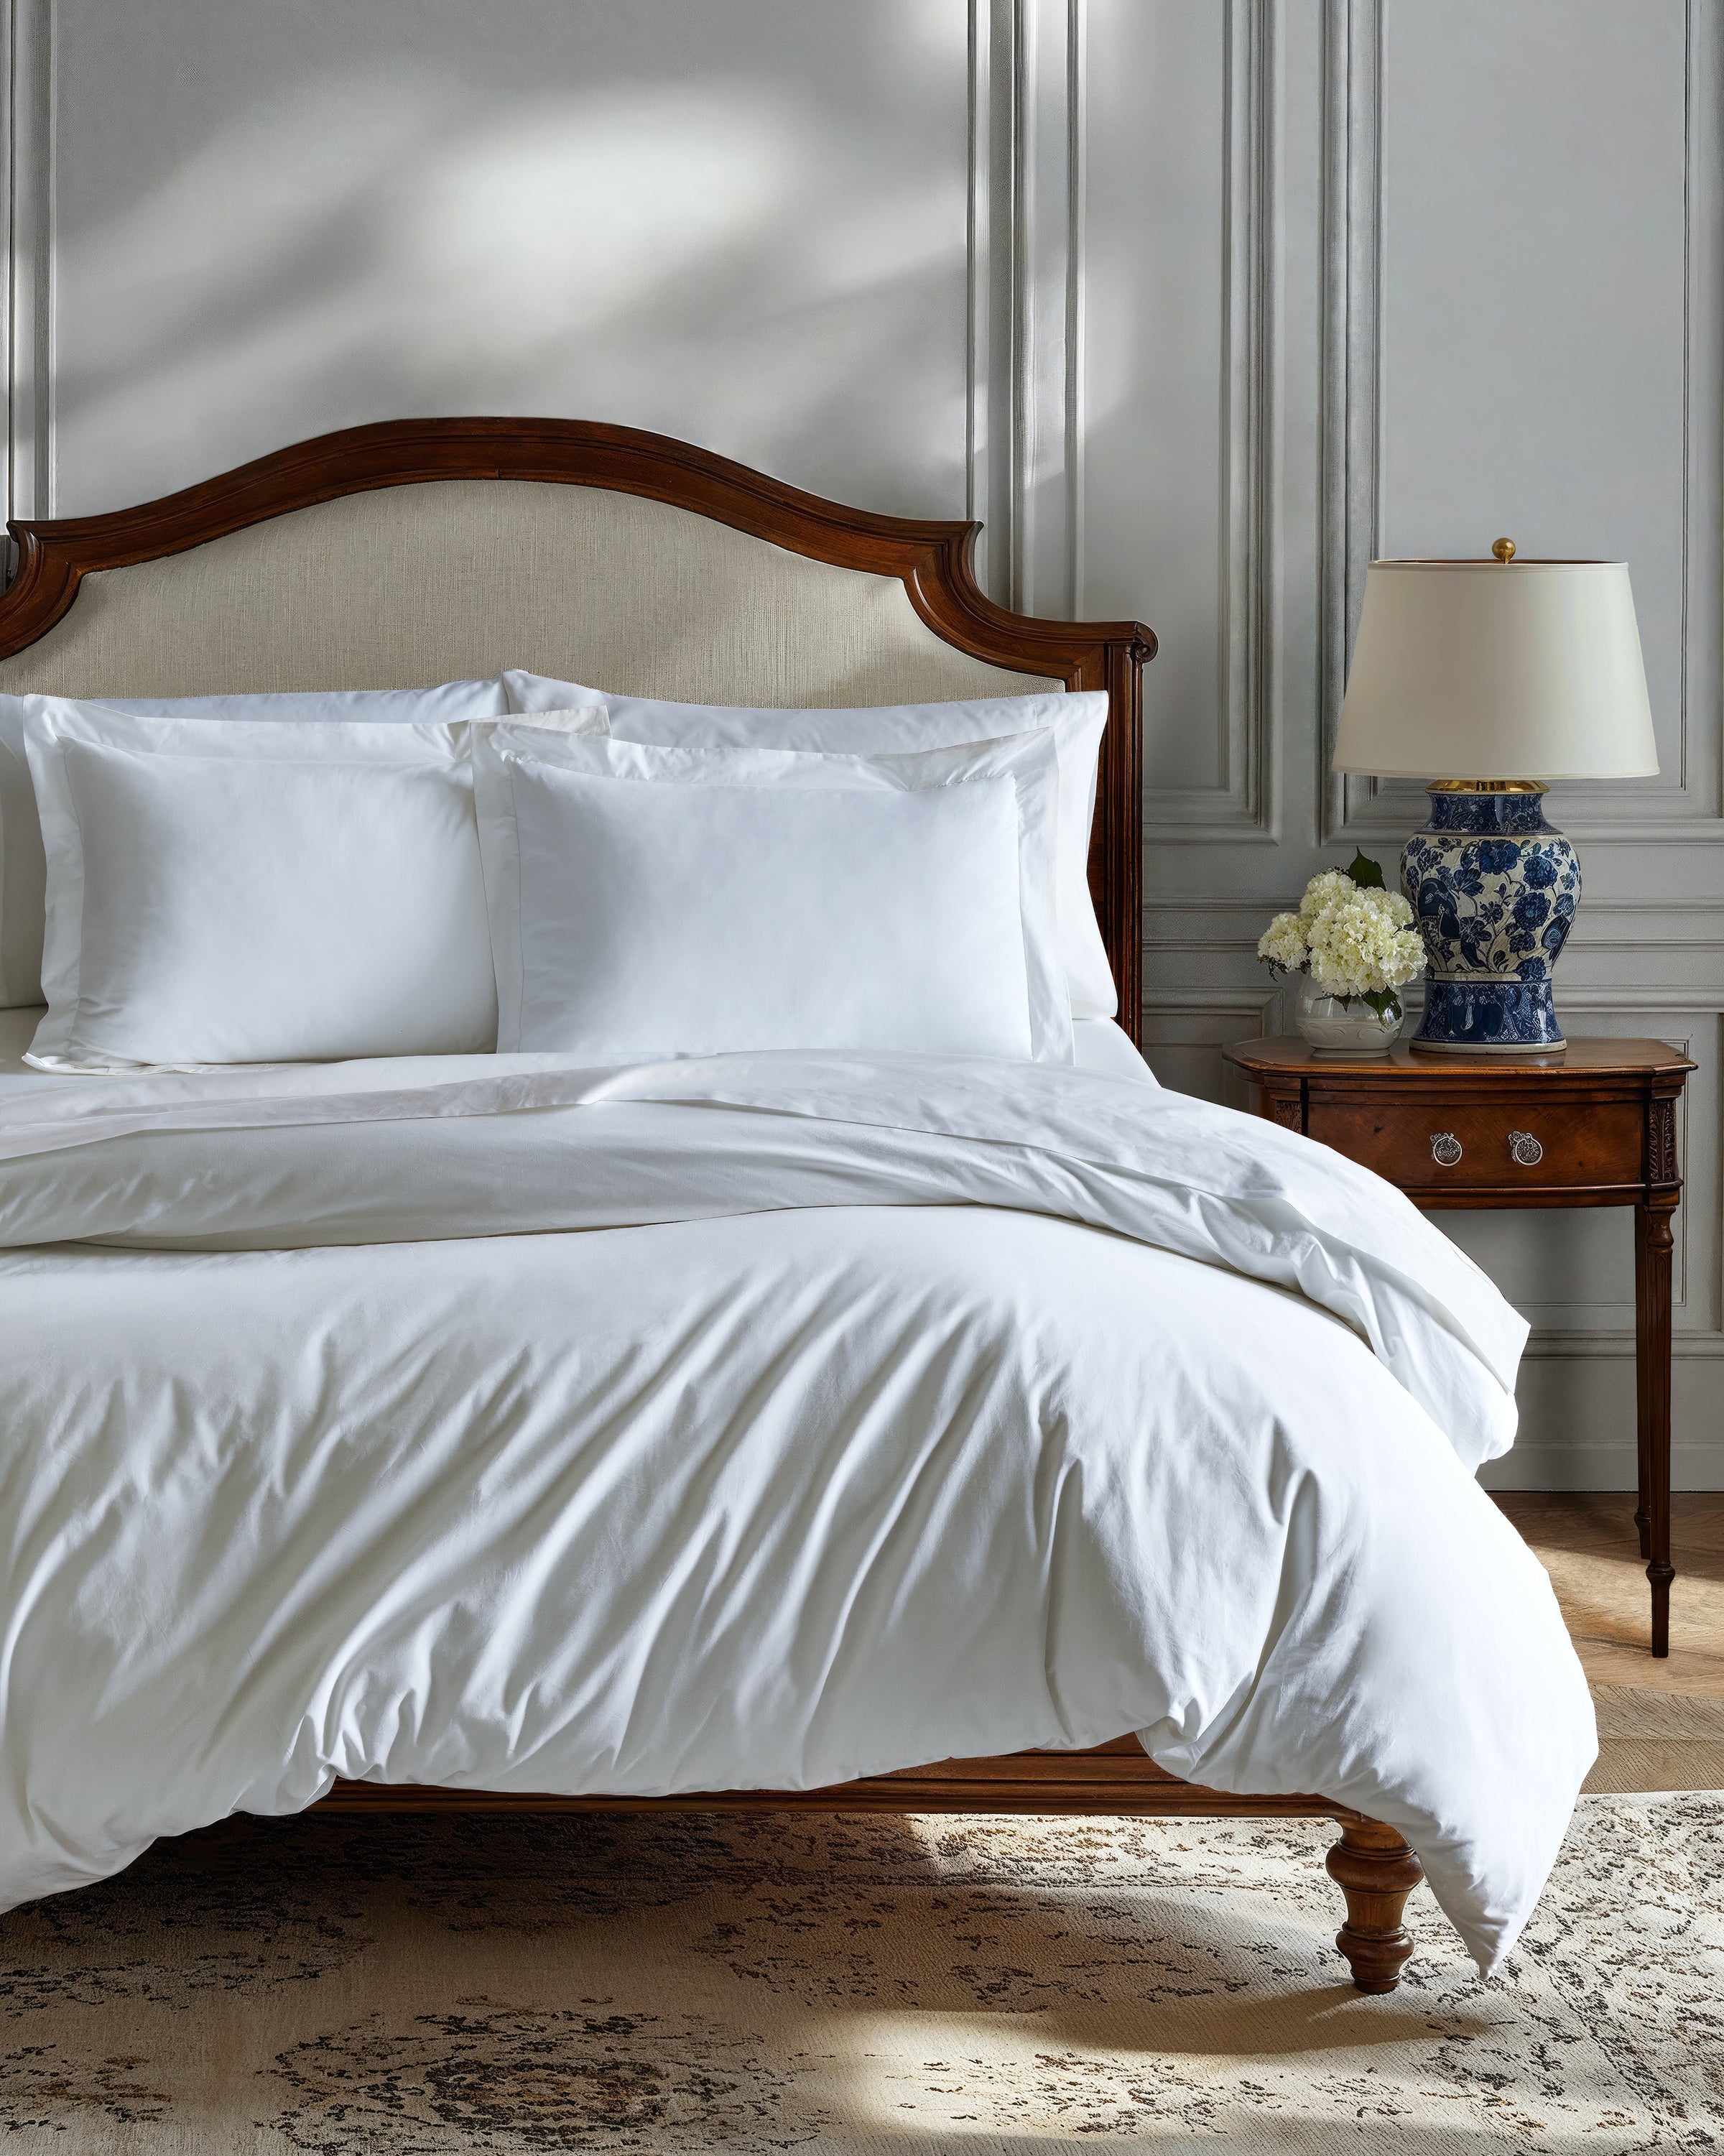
(419, 1988)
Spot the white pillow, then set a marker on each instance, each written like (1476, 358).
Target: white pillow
(261, 893)
(1099, 1044)
(1077, 722)
(22, 874)
(651, 901)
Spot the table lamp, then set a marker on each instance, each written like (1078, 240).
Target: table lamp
(1485, 679)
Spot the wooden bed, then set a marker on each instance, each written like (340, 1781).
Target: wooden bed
(426, 550)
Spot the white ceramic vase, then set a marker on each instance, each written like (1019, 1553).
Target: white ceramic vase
(1337, 1027)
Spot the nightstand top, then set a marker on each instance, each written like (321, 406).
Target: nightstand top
(1596, 1056)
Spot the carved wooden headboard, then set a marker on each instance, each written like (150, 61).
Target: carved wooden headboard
(390, 557)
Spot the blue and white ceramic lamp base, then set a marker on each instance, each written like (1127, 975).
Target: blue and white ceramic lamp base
(1494, 889)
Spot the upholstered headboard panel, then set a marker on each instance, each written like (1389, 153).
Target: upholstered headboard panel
(432, 550)
(448, 579)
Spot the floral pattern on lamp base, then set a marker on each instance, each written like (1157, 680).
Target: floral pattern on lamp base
(1494, 889)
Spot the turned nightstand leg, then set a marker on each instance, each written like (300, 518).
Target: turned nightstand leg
(1652, 1244)
(1643, 1397)
(1376, 1871)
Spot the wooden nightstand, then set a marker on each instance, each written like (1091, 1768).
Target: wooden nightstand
(1595, 1125)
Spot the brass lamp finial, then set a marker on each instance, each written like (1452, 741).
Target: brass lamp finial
(1504, 549)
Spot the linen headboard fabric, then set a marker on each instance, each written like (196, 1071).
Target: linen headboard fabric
(427, 550)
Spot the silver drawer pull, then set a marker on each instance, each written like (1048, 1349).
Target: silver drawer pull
(1445, 1149)
(1526, 1148)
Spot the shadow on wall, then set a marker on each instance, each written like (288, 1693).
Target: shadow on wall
(749, 232)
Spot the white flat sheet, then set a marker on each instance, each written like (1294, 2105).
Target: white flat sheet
(876, 1412)
(1098, 1044)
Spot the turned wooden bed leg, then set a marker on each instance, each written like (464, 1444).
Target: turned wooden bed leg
(1376, 1871)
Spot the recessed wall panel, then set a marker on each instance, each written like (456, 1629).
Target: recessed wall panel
(744, 225)
(1154, 385)
(1533, 293)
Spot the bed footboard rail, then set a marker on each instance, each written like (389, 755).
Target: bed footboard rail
(1370, 1863)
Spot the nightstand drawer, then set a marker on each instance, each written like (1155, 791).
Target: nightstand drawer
(1430, 1146)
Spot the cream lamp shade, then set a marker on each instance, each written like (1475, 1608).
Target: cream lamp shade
(1493, 669)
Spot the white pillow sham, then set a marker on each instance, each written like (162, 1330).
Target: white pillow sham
(1102, 1046)
(649, 902)
(276, 891)
(1076, 721)
(23, 872)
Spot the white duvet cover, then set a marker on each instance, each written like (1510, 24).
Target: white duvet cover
(754, 1421)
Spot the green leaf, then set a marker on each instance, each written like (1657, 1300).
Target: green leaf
(1367, 874)
(1384, 1002)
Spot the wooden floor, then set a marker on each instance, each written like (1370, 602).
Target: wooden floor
(1587, 1542)
(1660, 1724)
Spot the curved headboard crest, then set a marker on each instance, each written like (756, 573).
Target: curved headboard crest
(297, 572)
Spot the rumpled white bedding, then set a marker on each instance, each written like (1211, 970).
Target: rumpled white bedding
(751, 1421)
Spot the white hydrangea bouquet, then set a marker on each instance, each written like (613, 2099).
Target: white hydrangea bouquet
(1352, 936)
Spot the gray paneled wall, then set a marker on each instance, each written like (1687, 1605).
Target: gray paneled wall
(1388, 277)
(240, 222)
(1198, 303)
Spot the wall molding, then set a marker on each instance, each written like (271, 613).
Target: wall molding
(1190, 1026)
(1550, 1344)
(1357, 810)
(1536, 1463)
(1201, 923)
(1351, 366)
(980, 280)
(1025, 361)
(27, 32)
(1241, 806)
(1182, 1003)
